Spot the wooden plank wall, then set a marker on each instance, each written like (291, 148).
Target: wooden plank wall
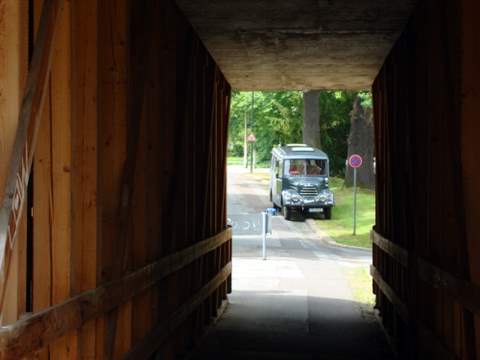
(421, 175)
(470, 128)
(13, 72)
(130, 169)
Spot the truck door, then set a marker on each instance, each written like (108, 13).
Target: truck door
(277, 193)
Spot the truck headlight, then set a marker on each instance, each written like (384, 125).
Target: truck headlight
(290, 196)
(296, 198)
(325, 196)
(322, 197)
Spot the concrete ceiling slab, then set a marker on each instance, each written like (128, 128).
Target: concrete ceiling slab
(298, 44)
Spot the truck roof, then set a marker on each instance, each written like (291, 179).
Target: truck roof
(299, 151)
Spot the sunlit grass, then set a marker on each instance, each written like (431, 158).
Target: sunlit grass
(233, 160)
(238, 160)
(340, 227)
(360, 283)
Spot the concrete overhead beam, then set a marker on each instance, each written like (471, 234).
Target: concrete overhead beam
(301, 44)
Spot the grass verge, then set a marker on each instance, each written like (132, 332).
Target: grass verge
(340, 227)
(236, 160)
(360, 283)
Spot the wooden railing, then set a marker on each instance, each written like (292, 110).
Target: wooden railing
(465, 293)
(25, 138)
(40, 329)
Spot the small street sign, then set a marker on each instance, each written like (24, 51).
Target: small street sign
(251, 138)
(355, 161)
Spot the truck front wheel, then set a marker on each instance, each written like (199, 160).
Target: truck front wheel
(328, 213)
(287, 213)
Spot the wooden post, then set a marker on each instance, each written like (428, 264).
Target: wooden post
(114, 228)
(42, 204)
(61, 165)
(85, 252)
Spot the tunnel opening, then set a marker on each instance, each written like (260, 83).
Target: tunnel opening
(303, 294)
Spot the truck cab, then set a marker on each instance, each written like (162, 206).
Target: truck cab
(299, 181)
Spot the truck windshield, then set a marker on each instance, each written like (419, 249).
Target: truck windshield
(307, 167)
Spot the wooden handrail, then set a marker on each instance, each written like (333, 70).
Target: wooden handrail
(40, 329)
(395, 251)
(464, 292)
(430, 342)
(154, 339)
(25, 138)
(398, 304)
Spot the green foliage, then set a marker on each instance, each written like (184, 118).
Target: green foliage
(366, 97)
(278, 119)
(335, 108)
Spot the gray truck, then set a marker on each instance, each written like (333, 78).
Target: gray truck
(299, 181)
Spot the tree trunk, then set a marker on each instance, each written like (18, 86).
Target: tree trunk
(361, 142)
(311, 118)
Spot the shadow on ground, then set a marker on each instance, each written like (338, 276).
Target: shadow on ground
(282, 325)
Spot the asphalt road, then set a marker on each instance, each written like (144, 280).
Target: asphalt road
(298, 303)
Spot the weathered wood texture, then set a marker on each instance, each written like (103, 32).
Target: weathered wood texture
(43, 327)
(420, 187)
(129, 180)
(13, 71)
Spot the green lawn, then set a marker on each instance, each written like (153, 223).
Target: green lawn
(232, 160)
(340, 227)
(360, 283)
(236, 160)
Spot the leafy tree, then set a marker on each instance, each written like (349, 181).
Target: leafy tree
(335, 108)
(278, 119)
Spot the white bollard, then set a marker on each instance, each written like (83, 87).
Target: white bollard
(264, 235)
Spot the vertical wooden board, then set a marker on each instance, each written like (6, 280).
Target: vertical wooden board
(10, 87)
(113, 138)
(112, 125)
(42, 204)
(154, 170)
(42, 216)
(84, 163)
(61, 148)
(13, 71)
(141, 317)
(470, 128)
(123, 334)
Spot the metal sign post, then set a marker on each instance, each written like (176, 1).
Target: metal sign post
(251, 140)
(251, 156)
(354, 201)
(355, 161)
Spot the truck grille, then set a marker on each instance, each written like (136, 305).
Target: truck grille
(308, 191)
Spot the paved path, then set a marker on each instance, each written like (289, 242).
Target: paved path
(297, 304)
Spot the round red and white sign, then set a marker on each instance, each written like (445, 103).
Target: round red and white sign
(355, 161)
